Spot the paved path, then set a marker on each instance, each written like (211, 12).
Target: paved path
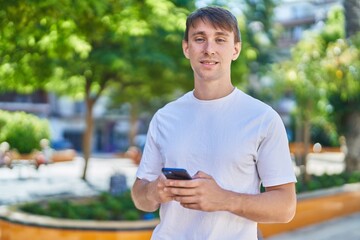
(24, 183)
(336, 229)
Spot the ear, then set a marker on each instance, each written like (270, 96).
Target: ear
(237, 50)
(185, 47)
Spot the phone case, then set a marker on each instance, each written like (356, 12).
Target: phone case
(176, 173)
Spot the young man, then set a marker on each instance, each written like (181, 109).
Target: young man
(228, 141)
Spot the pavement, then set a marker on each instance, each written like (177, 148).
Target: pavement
(335, 229)
(25, 183)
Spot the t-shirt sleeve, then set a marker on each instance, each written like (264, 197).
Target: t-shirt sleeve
(151, 160)
(274, 163)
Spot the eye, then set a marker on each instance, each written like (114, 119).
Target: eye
(199, 39)
(220, 40)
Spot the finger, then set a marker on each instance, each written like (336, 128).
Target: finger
(181, 191)
(201, 174)
(168, 192)
(181, 183)
(161, 178)
(185, 200)
(161, 181)
(166, 196)
(190, 206)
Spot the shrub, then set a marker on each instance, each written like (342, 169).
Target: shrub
(23, 131)
(103, 207)
(4, 119)
(327, 181)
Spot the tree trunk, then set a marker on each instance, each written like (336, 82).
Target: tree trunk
(133, 123)
(302, 149)
(307, 140)
(352, 120)
(299, 156)
(352, 17)
(352, 136)
(88, 135)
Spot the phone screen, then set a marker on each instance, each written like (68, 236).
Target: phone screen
(176, 173)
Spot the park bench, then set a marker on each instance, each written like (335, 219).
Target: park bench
(31, 159)
(299, 148)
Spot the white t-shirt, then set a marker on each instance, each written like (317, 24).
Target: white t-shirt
(238, 140)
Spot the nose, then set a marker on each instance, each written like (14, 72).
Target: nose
(209, 48)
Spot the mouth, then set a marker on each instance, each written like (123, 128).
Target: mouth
(208, 62)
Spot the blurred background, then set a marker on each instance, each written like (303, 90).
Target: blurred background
(89, 75)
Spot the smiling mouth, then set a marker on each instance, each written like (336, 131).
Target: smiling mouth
(209, 62)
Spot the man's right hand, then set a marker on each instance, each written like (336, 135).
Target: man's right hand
(156, 191)
(148, 196)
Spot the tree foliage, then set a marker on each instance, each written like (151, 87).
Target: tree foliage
(262, 33)
(323, 65)
(82, 48)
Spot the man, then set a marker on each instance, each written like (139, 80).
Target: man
(228, 141)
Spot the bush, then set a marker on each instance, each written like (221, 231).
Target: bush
(4, 119)
(23, 131)
(104, 207)
(327, 181)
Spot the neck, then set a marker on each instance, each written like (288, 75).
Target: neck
(212, 92)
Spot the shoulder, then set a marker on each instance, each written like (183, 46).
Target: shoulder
(177, 105)
(253, 105)
(258, 112)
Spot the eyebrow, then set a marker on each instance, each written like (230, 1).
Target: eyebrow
(203, 33)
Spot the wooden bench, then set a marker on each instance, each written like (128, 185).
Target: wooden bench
(30, 159)
(63, 155)
(299, 147)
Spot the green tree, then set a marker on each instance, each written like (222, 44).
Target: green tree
(349, 108)
(160, 70)
(303, 76)
(23, 46)
(352, 16)
(80, 48)
(300, 75)
(332, 80)
(262, 33)
(341, 66)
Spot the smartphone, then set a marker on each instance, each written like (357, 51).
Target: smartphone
(176, 173)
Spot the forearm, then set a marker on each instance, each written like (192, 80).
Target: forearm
(275, 206)
(143, 195)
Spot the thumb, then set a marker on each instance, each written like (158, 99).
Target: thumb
(162, 177)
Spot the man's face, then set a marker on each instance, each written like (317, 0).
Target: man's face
(210, 51)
